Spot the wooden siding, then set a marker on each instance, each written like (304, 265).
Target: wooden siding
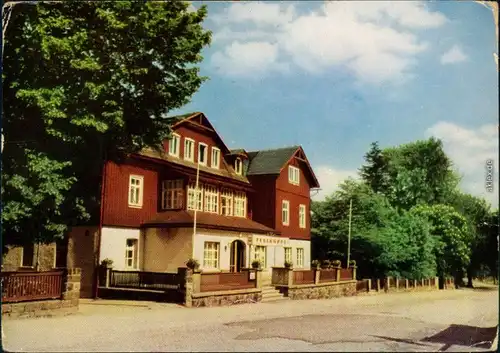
(296, 195)
(205, 137)
(116, 209)
(262, 202)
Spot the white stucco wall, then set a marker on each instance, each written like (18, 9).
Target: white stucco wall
(306, 245)
(225, 239)
(114, 242)
(165, 250)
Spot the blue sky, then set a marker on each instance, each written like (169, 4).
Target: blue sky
(335, 76)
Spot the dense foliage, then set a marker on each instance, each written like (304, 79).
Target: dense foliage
(409, 218)
(84, 82)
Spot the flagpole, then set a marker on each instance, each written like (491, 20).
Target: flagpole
(349, 236)
(196, 202)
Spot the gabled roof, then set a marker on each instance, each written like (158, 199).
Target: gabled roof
(270, 161)
(202, 121)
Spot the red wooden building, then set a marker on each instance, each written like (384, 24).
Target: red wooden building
(248, 205)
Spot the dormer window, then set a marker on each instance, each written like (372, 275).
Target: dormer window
(202, 153)
(293, 175)
(189, 149)
(215, 163)
(238, 166)
(173, 145)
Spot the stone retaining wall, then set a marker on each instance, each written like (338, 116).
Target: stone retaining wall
(320, 291)
(68, 303)
(223, 298)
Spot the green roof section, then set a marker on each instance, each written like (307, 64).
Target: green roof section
(269, 161)
(237, 151)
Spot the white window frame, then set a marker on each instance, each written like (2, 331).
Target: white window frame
(238, 166)
(140, 187)
(172, 194)
(189, 156)
(288, 254)
(226, 202)
(240, 204)
(293, 175)
(206, 153)
(302, 216)
(211, 199)
(300, 258)
(135, 252)
(177, 139)
(215, 150)
(192, 199)
(285, 212)
(211, 255)
(260, 253)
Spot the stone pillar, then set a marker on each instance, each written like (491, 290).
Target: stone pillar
(188, 285)
(71, 285)
(317, 274)
(397, 283)
(354, 272)
(436, 282)
(378, 285)
(338, 274)
(290, 277)
(406, 284)
(369, 284)
(258, 278)
(107, 280)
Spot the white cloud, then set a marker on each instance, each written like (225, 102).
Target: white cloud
(453, 56)
(329, 179)
(376, 41)
(469, 149)
(253, 59)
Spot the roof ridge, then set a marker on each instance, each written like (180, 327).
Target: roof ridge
(276, 149)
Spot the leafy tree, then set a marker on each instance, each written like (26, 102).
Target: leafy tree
(376, 170)
(477, 212)
(383, 241)
(452, 237)
(85, 82)
(415, 173)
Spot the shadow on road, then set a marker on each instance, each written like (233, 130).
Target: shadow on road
(480, 337)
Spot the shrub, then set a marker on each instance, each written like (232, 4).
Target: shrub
(315, 263)
(256, 264)
(336, 263)
(192, 264)
(325, 264)
(107, 262)
(288, 264)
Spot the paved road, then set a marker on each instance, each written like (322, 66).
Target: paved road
(457, 320)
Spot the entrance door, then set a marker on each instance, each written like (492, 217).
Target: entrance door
(237, 257)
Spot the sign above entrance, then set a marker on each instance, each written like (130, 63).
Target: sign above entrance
(268, 241)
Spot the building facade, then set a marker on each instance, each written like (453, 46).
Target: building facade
(195, 198)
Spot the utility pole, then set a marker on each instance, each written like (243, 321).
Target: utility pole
(349, 236)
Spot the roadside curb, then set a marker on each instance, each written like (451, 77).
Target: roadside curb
(113, 303)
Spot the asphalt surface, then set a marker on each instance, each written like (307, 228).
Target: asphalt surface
(455, 320)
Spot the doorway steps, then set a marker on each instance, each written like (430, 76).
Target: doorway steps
(271, 294)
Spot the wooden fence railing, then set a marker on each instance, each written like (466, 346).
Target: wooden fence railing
(328, 275)
(303, 277)
(363, 285)
(346, 274)
(144, 280)
(220, 281)
(27, 286)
